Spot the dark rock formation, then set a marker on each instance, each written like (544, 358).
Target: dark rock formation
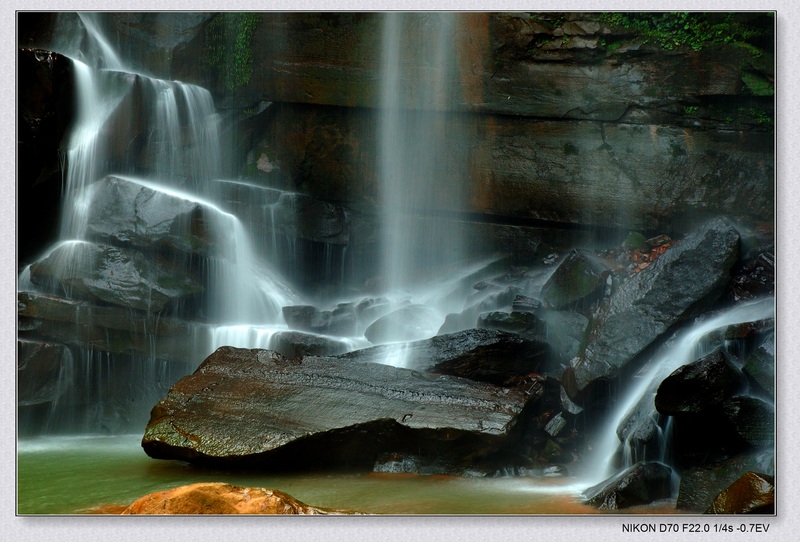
(478, 354)
(256, 409)
(760, 367)
(342, 320)
(218, 498)
(642, 483)
(45, 113)
(113, 275)
(698, 386)
(676, 286)
(292, 344)
(579, 280)
(752, 419)
(753, 493)
(124, 212)
(700, 486)
(39, 369)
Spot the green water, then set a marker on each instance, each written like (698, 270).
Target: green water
(73, 475)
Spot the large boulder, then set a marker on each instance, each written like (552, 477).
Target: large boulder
(255, 408)
(125, 212)
(753, 493)
(682, 281)
(698, 386)
(113, 275)
(219, 498)
(760, 367)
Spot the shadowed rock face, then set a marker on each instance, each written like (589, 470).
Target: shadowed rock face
(257, 409)
(672, 289)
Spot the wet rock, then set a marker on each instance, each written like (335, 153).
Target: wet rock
(113, 275)
(256, 409)
(303, 217)
(524, 303)
(760, 367)
(753, 493)
(642, 483)
(578, 280)
(676, 286)
(479, 354)
(46, 109)
(640, 431)
(126, 213)
(489, 299)
(297, 344)
(521, 323)
(698, 386)
(340, 321)
(565, 330)
(409, 323)
(39, 369)
(219, 498)
(752, 419)
(755, 276)
(700, 485)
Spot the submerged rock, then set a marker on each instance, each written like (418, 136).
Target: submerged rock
(642, 483)
(219, 498)
(256, 409)
(675, 287)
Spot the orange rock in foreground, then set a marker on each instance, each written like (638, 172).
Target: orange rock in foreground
(220, 498)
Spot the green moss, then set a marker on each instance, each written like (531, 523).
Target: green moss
(228, 47)
(635, 240)
(570, 149)
(691, 109)
(697, 30)
(757, 85)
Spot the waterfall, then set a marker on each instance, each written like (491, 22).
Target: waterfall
(415, 148)
(688, 346)
(162, 137)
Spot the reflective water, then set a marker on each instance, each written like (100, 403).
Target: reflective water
(75, 475)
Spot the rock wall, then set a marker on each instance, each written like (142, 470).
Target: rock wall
(557, 117)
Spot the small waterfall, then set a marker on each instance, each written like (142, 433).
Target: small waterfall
(688, 346)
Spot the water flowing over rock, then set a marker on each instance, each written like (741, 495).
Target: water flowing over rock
(678, 284)
(292, 344)
(408, 323)
(254, 408)
(125, 212)
(218, 498)
(478, 354)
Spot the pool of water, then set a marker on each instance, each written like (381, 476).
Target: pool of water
(75, 475)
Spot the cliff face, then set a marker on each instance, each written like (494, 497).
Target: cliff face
(574, 118)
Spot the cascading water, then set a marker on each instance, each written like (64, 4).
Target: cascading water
(166, 134)
(691, 344)
(414, 150)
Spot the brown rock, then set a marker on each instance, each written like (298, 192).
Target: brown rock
(220, 498)
(753, 493)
